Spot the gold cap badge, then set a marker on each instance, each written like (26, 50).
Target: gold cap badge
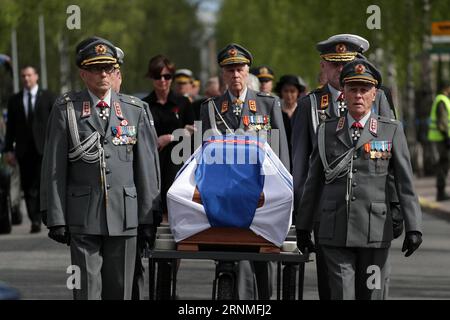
(341, 48)
(100, 49)
(360, 69)
(232, 52)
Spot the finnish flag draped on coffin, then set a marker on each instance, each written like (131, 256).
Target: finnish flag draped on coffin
(232, 181)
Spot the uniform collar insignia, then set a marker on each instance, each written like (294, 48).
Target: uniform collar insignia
(341, 124)
(86, 109)
(252, 105)
(324, 101)
(118, 110)
(373, 126)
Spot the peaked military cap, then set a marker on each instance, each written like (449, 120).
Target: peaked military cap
(95, 50)
(360, 70)
(234, 54)
(183, 76)
(263, 73)
(120, 55)
(342, 47)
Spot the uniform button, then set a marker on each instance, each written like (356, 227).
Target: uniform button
(353, 198)
(107, 156)
(105, 142)
(108, 171)
(108, 186)
(355, 170)
(354, 184)
(355, 156)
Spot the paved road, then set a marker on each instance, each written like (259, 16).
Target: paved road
(36, 266)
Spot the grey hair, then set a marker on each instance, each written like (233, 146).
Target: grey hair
(253, 82)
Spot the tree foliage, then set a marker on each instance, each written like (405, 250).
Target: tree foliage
(142, 28)
(283, 33)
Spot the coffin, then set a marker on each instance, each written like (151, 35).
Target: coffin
(232, 182)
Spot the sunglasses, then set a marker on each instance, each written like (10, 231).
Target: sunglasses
(165, 76)
(100, 68)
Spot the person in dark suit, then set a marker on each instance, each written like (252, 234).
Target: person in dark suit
(28, 112)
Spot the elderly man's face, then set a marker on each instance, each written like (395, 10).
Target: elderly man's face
(360, 97)
(235, 77)
(332, 72)
(266, 86)
(98, 78)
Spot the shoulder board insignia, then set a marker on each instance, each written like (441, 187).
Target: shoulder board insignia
(86, 109)
(324, 101)
(224, 107)
(131, 100)
(340, 124)
(373, 126)
(252, 105)
(264, 94)
(118, 110)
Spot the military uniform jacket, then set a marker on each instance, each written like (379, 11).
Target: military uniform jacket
(367, 222)
(73, 194)
(304, 136)
(258, 107)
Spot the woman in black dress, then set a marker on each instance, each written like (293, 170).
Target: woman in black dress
(289, 89)
(170, 112)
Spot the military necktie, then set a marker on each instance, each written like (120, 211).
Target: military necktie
(30, 108)
(356, 131)
(104, 109)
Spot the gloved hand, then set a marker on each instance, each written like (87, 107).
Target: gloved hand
(146, 236)
(59, 234)
(304, 241)
(412, 241)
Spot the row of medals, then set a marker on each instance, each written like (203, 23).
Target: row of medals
(379, 149)
(124, 138)
(126, 135)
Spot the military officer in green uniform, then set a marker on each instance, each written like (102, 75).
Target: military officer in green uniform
(241, 110)
(346, 186)
(439, 135)
(100, 177)
(265, 76)
(327, 102)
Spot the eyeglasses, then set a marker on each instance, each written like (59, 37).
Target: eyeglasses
(108, 69)
(166, 77)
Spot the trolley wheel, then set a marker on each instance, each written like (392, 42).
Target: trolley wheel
(225, 287)
(163, 281)
(289, 282)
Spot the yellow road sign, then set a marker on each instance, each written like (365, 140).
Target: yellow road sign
(441, 28)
